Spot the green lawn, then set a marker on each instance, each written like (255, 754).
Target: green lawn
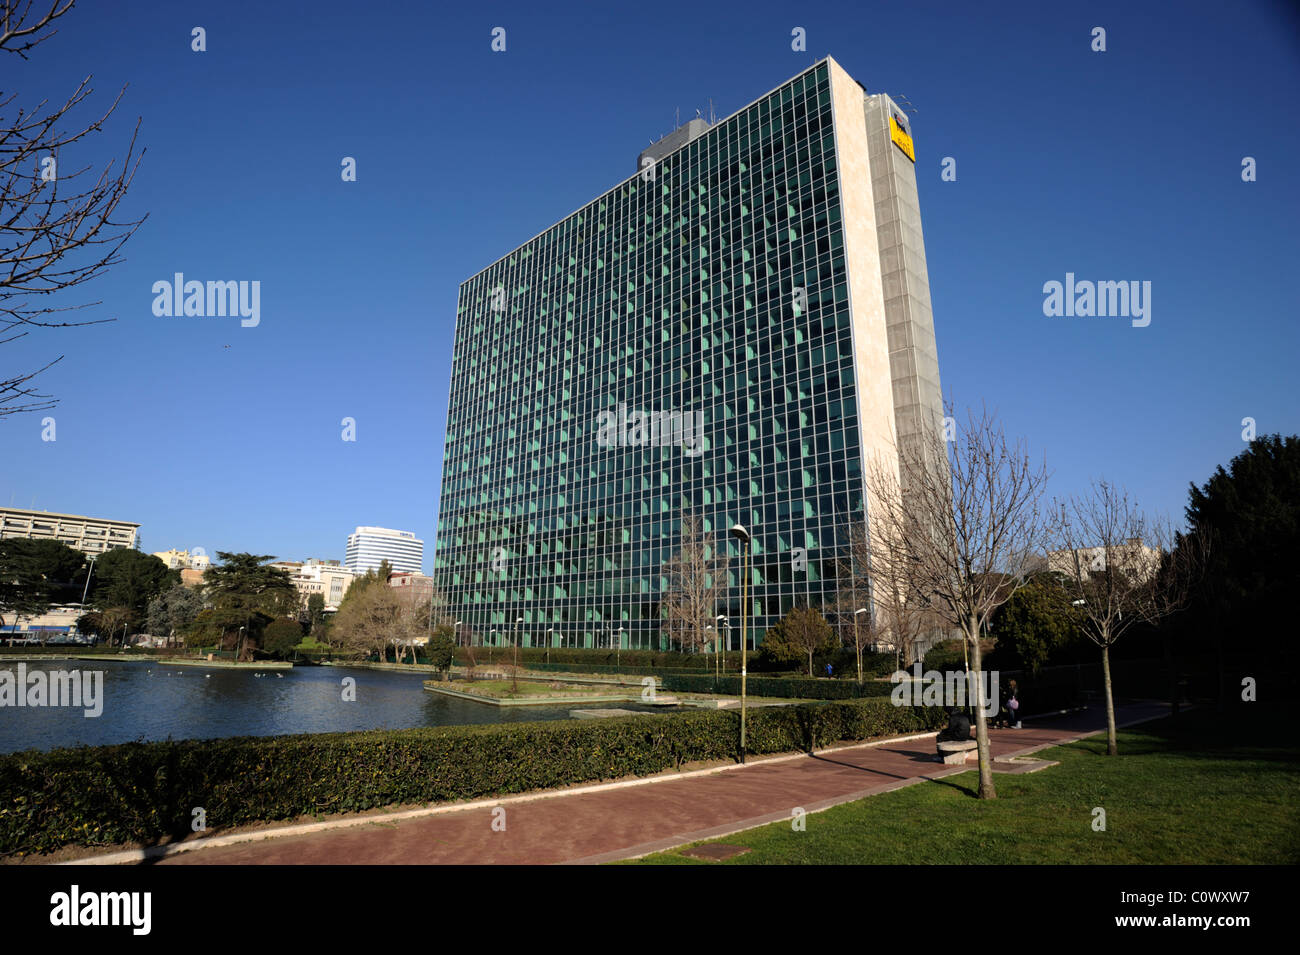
(501, 689)
(1200, 790)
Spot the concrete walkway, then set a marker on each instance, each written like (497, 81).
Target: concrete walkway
(622, 820)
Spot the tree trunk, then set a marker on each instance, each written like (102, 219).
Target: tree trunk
(1173, 674)
(810, 669)
(1112, 748)
(1223, 681)
(986, 790)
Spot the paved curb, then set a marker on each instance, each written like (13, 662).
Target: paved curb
(154, 853)
(731, 829)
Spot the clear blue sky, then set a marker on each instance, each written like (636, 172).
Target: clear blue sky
(1117, 165)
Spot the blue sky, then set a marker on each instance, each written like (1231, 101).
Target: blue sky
(1117, 165)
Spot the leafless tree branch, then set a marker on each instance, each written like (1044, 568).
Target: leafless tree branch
(957, 525)
(58, 229)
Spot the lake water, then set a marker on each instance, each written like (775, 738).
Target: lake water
(151, 701)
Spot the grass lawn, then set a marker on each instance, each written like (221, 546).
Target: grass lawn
(1204, 789)
(501, 689)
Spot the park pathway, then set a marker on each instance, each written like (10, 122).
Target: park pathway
(625, 820)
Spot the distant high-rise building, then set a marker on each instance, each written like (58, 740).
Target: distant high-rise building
(740, 330)
(369, 546)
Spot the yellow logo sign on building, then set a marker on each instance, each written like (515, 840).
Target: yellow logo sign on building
(900, 139)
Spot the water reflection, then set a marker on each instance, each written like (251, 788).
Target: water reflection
(147, 700)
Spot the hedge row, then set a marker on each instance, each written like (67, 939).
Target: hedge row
(654, 660)
(144, 792)
(594, 668)
(78, 649)
(787, 687)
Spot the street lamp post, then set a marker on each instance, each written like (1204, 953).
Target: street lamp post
(518, 627)
(549, 640)
(857, 641)
(723, 624)
(84, 590)
(618, 655)
(742, 536)
(455, 642)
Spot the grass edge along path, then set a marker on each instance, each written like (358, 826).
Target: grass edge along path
(1207, 788)
(141, 793)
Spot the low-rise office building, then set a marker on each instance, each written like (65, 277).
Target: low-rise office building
(328, 578)
(90, 535)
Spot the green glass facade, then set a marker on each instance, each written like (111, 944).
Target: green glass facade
(677, 293)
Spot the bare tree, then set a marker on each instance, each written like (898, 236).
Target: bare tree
(411, 622)
(375, 619)
(853, 629)
(853, 594)
(878, 576)
(965, 517)
(57, 227)
(696, 584)
(1122, 568)
(806, 629)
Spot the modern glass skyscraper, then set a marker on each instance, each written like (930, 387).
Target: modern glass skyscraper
(368, 547)
(734, 331)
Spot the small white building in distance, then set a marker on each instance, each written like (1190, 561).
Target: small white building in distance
(184, 560)
(1133, 557)
(328, 578)
(369, 546)
(419, 586)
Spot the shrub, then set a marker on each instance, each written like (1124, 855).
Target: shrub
(281, 636)
(786, 687)
(144, 792)
(604, 660)
(944, 655)
(845, 662)
(441, 647)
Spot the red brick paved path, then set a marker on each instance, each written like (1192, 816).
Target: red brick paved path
(634, 820)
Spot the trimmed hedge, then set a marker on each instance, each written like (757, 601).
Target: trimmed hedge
(144, 792)
(81, 649)
(606, 659)
(787, 687)
(591, 668)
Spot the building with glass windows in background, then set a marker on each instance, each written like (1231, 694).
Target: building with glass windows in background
(736, 330)
(368, 547)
